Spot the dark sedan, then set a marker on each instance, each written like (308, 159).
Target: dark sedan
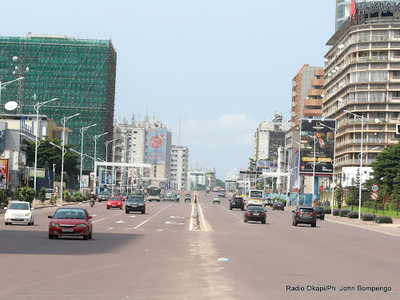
(236, 202)
(278, 205)
(255, 213)
(135, 203)
(319, 210)
(304, 215)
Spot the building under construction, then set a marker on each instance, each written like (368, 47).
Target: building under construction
(80, 73)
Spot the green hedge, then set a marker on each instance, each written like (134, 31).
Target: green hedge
(384, 219)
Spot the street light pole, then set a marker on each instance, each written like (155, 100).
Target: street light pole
(37, 106)
(95, 159)
(83, 129)
(363, 121)
(4, 84)
(106, 144)
(63, 121)
(112, 172)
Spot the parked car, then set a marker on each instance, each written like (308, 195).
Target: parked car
(19, 212)
(135, 203)
(103, 196)
(188, 197)
(71, 221)
(216, 200)
(304, 215)
(278, 205)
(319, 210)
(114, 202)
(255, 213)
(236, 202)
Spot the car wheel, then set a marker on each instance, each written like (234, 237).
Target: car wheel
(158, 200)
(126, 211)
(294, 223)
(245, 220)
(264, 222)
(108, 208)
(120, 207)
(322, 218)
(242, 208)
(143, 212)
(313, 224)
(51, 236)
(90, 235)
(7, 223)
(86, 237)
(230, 208)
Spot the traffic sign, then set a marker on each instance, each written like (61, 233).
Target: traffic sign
(375, 188)
(374, 196)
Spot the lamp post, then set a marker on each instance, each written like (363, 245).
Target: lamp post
(83, 129)
(37, 106)
(4, 84)
(95, 158)
(106, 144)
(363, 121)
(63, 121)
(112, 172)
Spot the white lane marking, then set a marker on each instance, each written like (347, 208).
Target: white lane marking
(94, 215)
(132, 216)
(175, 217)
(107, 218)
(191, 218)
(110, 228)
(202, 217)
(145, 221)
(119, 222)
(174, 223)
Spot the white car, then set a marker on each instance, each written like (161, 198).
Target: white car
(216, 200)
(19, 212)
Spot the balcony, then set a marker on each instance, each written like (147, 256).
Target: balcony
(317, 82)
(315, 92)
(313, 102)
(312, 112)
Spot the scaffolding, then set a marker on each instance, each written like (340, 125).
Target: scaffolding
(80, 73)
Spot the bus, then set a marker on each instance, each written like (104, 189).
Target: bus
(255, 197)
(154, 193)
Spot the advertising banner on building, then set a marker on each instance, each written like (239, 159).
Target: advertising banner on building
(156, 145)
(3, 174)
(317, 144)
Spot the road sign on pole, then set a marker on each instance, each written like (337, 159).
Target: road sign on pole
(375, 188)
(374, 196)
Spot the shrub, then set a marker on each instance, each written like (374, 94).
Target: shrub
(26, 194)
(344, 212)
(352, 215)
(3, 198)
(42, 195)
(368, 217)
(336, 212)
(53, 200)
(327, 210)
(78, 197)
(383, 219)
(67, 196)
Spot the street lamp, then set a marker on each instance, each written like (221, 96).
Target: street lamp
(95, 157)
(37, 106)
(112, 172)
(106, 144)
(363, 121)
(4, 84)
(63, 121)
(83, 129)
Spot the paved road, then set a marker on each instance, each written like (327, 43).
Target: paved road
(156, 256)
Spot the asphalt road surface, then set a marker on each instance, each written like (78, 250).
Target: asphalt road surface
(157, 255)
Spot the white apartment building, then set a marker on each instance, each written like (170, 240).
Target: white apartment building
(179, 168)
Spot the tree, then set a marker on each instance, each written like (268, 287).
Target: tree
(339, 193)
(42, 195)
(26, 194)
(49, 155)
(354, 191)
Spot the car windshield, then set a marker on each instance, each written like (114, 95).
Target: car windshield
(114, 198)
(238, 199)
(256, 194)
(278, 202)
(70, 214)
(134, 199)
(318, 208)
(19, 206)
(306, 209)
(255, 208)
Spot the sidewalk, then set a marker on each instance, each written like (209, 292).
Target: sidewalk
(392, 229)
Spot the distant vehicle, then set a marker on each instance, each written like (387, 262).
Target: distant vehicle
(175, 197)
(154, 194)
(268, 201)
(188, 198)
(71, 221)
(49, 193)
(319, 210)
(236, 202)
(304, 215)
(255, 198)
(114, 202)
(135, 203)
(216, 200)
(123, 195)
(255, 213)
(278, 205)
(221, 193)
(19, 212)
(103, 196)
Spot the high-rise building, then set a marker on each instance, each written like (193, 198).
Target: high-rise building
(342, 12)
(179, 168)
(80, 73)
(362, 86)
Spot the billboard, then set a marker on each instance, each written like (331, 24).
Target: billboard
(3, 174)
(317, 143)
(156, 145)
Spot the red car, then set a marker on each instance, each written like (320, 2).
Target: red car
(114, 202)
(71, 221)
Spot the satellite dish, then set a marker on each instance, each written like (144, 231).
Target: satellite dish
(11, 105)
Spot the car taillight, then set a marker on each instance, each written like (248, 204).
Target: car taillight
(263, 214)
(298, 213)
(314, 213)
(248, 214)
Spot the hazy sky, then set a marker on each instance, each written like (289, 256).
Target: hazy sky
(217, 67)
